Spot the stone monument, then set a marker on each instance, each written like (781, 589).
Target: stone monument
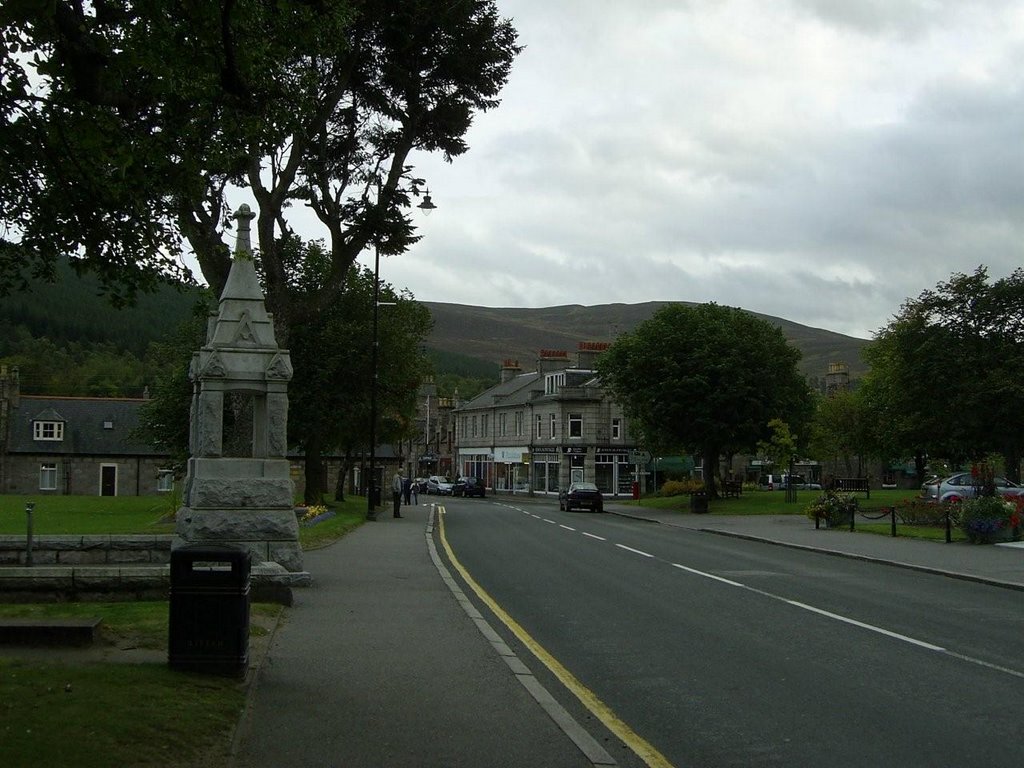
(238, 488)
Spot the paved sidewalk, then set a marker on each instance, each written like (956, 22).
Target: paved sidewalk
(1000, 565)
(378, 665)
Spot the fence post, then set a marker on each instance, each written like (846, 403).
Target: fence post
(29, 506)
(853, 518)
(949, 530)
(892, 512)
(817, 520)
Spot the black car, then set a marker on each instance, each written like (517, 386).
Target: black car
(469, 486)
(581, 496)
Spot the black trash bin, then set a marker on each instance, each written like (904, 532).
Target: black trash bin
(699, 501)
(376, 496)
(209, 609)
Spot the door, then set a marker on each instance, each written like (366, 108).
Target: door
(108, 480)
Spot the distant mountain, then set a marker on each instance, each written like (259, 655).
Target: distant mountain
(496, 334)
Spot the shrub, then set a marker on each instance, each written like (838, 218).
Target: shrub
(681, 487)
(833, 507)
(922, 512)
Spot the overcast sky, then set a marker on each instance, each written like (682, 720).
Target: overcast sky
(816, 160)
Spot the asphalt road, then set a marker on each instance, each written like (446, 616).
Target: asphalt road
(725, 652)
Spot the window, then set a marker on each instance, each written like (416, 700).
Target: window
(473, 422)
(616, 429)
(485, 425)
(48, 430)
(48, 477)
(539, 422)
(519, 423)
(503, 424)
(552, 419)
(553, 382)
(165, 481)
(576, 425)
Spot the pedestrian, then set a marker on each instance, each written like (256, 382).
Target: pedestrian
(396, 491)
(407, 490)
(414, 488)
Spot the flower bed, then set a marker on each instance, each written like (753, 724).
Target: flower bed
(989, 519)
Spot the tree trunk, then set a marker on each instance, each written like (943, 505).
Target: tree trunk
(1011, 459)
(316, 480)
(919, 465)
(711, 454)
(339, 486)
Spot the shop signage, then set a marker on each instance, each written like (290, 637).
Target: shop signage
(576, 449)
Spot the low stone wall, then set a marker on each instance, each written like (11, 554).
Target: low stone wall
(55, 584)
(112, 549)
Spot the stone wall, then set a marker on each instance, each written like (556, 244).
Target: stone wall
(97, 550)
(80, 475)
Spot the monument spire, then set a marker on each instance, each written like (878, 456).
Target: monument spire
(243, 245)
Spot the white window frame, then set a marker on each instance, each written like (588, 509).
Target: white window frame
(48, 430)
(540, 427)
(616, 429)
(519, 424)
(553, 423)
(164, 480)
(575, 426)
(48, 476)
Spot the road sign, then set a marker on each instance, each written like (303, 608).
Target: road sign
(639, 457)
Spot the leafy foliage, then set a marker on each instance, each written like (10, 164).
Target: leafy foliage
(706, 379)
(967, 334)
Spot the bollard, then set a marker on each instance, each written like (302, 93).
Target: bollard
(949, 529)
(29, 506)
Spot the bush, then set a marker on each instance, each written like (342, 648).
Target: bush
(922, 512)
(681, 487)
(988, 518)
(834, 508)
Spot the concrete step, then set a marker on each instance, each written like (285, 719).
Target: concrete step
(46, 631)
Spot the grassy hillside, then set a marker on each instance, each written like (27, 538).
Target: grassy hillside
(495, 334)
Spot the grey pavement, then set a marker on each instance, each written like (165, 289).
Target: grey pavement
(383, 662)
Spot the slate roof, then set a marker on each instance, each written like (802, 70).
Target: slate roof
(84, 432)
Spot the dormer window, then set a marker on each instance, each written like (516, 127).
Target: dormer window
(48, 430)
(553, 382)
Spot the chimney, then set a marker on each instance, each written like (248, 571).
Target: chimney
(509, 370)
(552, 360)
(588, 352)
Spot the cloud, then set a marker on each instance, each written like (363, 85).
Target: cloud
(819, 161)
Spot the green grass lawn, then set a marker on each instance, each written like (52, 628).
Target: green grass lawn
(87, 514)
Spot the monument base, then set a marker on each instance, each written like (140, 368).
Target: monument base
(271, 535)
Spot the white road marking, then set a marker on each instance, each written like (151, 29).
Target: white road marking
(595, 536)
(635, 551)
(567, 528)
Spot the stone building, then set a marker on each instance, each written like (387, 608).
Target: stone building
(75, 445)
(538, 431)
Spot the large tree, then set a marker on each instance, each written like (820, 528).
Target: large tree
(124, 124)
(707, 379)
(945, 372)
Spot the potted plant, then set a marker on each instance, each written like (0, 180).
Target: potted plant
(836, 509)
(988, 519)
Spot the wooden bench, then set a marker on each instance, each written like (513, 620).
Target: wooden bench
(852, 485)
(732, 489)
(46, 631)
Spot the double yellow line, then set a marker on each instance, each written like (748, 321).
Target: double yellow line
(643, 749)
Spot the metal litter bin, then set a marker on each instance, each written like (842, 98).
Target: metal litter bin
(209, 609)
(699, 502)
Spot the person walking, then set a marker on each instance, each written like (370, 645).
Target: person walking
(396, 491)
(414, 489)
(407, 490)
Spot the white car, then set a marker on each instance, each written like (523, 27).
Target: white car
(440, 485)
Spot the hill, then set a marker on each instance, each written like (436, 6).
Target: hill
(496, 334)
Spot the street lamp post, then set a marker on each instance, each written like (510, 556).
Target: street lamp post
(371, 496)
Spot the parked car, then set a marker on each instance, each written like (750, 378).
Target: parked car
(440, 485)
(961, 486)
(778, 483)
(581, 496)
(469, 486)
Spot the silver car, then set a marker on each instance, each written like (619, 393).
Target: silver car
(962, 486)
